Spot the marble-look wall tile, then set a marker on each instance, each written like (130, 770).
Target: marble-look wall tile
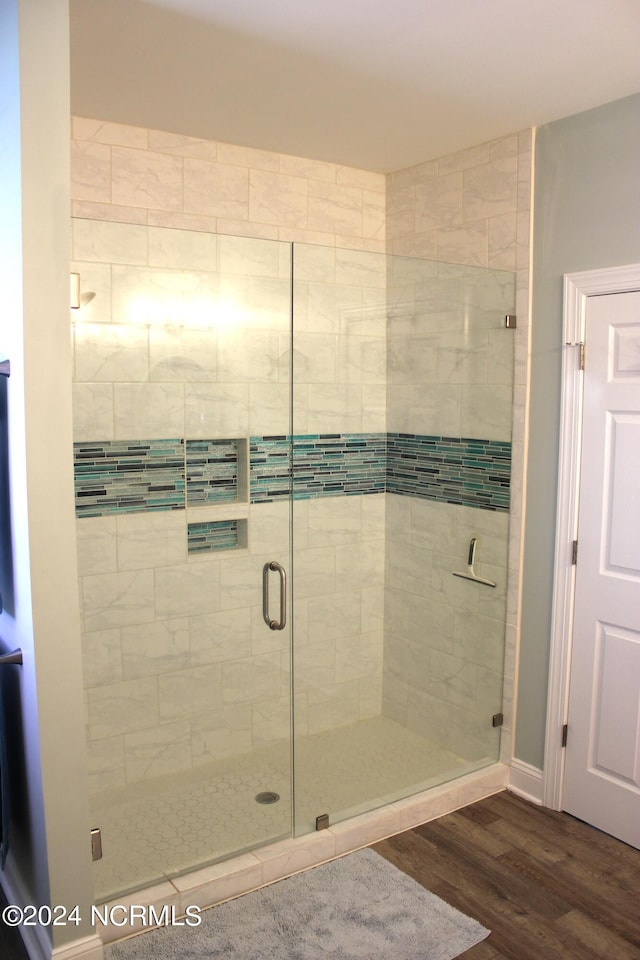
(92, 411)
(97, 545)
(91, 171)
(252, 679)
(179, 145)
(155, 648)
(490, 190)
(94, 278)
(332, 706)
(111, 353)
(148, 410)
(106, 764)
(271, 722)
(278, 198)
(465, 244)
(502, 241)
(225, 635)
(220, 190)
(165, 749)
(334, 615)
(222, 731)
(103, 131)
(182, 249)
(122, 708)
(438, 202)
(117, 599)
(142, 178)
(93, 210)
(102, 658)
(182, 355)
(187, 589)
(109, 242)
(268, 412)
(334, 208)
(216, 410)
(358, 657)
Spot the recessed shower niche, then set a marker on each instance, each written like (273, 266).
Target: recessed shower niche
(344, 414)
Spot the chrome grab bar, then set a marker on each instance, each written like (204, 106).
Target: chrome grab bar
(14, 657)
(274, 624)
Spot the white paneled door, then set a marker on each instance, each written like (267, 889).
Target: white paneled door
(602, 767)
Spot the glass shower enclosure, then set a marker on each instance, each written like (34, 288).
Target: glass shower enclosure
(292, 491)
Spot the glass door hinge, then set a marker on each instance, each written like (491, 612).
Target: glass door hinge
(564, 734)
(96, 844)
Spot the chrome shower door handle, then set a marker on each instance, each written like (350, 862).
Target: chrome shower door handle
(274, 624)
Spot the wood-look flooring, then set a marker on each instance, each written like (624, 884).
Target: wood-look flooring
(549, 887)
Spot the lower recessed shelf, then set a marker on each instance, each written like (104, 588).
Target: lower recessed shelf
(215, 536)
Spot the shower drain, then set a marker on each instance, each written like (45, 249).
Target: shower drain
(267, 796)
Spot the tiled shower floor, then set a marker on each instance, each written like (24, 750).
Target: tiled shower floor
(173, 824)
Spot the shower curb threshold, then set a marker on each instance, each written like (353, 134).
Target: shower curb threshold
(231, 878)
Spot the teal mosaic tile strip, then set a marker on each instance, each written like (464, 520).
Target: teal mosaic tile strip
(128, 476)
(138, 476)
(336, 465)
(270, 473)
(212, 535)
(212, 471)
(324, 465)
(474, 473)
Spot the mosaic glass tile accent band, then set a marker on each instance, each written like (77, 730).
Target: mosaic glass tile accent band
(212, 471)
(474, 473)
(212, 535)
(115, 476)
(324, 465)
(270, 476)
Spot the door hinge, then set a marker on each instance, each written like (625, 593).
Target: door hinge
(577, 343)
(574, 553)
(564, 734)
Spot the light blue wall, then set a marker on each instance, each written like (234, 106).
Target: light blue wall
(586, 216)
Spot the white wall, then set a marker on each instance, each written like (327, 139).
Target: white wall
(50, 859)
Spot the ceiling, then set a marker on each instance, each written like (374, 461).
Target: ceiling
(375, 84)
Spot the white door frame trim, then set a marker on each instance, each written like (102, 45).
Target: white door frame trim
(577, 288)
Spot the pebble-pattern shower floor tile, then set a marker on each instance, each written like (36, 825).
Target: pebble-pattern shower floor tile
(156, 829)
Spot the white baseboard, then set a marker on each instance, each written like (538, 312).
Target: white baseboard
(526, 781)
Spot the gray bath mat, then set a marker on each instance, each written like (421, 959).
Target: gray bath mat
(359, 907)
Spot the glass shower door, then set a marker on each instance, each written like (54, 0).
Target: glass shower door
(183, 476)
(403, 373)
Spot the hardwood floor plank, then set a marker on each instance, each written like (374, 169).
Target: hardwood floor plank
(514, 886)
(606, 942)
(582, 893)
(545, 884)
